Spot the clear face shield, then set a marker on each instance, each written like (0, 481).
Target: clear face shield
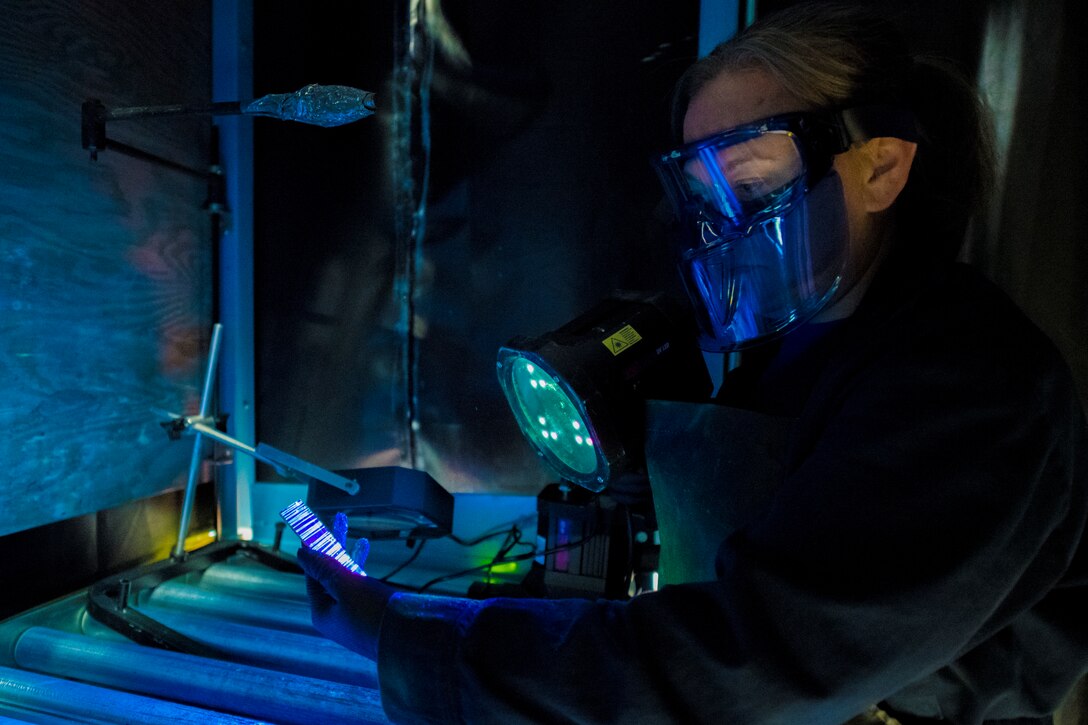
(766, 237)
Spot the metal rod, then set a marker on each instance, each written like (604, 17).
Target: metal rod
(220, 437)
(221, 108)
(301, 654)
(68, 701)
(261, 581)
(291, 616)
(124, 592)
(284, 463)
(303, 470)
(11, 715)
(194, 461)
(215, 684)
(148, 156)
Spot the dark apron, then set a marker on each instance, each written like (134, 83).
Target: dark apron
(712, 469)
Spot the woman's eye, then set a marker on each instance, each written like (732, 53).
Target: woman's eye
(750, 189)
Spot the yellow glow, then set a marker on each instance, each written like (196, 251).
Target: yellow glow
(199, 539)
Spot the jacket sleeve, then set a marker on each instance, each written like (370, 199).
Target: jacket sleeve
(933, 509)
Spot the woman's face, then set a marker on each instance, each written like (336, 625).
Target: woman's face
(734, 98)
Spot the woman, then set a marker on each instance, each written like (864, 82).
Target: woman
(922, 546)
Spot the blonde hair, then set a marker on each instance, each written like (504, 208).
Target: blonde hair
(832, 55)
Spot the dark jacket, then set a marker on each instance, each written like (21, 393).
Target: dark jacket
(925, 548)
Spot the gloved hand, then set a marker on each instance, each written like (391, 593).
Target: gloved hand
(345, 607)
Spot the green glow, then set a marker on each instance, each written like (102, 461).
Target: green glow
(508, 567)
(543, 401)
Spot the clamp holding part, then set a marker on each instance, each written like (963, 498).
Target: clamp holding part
(203, 425)
(284, 463)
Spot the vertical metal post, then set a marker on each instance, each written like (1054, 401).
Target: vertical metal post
(232, 78)
(206, 396)
(718, 21)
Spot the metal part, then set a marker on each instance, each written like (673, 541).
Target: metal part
(262, 612)
(284, 463)
(394, 502)
(174, 109)
(123, 593)
(104, 601)
(214, 684)
(68, 701)
(300, 470)
(325, 106)
(232, 77)
(194, 462)
(201, 427)
(253, 655)
(314, 104)
(254, 581)
(301, 654)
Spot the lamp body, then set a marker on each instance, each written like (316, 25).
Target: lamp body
(578, 392)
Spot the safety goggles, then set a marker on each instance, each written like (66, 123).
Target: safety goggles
(736, 179)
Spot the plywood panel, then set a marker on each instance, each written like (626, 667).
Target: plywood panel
(104, 266)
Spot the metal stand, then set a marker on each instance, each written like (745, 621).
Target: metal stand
(203, 425)
(194, 461)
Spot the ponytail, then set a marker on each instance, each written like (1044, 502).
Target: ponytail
(953, 171)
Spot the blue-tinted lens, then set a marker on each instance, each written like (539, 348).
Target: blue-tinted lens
(735, 180)
(753, 286)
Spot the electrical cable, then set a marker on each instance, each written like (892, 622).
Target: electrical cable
(513, 538)
(493, 562)
(480, 539)
(400, 567)
(503, 550)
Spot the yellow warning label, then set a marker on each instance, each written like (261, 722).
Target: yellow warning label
(622, 339)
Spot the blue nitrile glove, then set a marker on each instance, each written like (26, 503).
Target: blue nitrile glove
(340, 530)
(361, 551)
(345, 607)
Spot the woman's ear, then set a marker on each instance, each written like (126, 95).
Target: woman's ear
(889, 161)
